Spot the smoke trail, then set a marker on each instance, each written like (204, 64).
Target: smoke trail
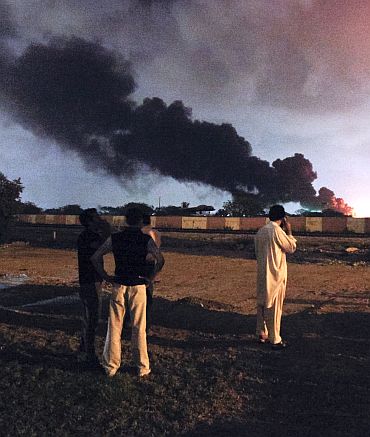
(78, 94)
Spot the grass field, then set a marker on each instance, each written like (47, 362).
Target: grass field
(209, 376)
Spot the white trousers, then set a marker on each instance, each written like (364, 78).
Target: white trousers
(269, 319)
(133, 299)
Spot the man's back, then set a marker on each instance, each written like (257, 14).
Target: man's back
(271, 244)
(130, 250)
(271, 239)
(137, 257)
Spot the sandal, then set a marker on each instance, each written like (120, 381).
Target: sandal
(279, 346)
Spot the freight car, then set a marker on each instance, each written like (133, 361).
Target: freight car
(309, 225)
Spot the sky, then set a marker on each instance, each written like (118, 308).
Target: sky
(291, 76)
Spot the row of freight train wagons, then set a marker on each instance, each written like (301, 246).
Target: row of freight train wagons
(335, 225)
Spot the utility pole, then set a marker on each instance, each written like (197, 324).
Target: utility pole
(159, 202)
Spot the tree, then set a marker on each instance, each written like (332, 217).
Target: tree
(10, 193)
(243, 204)
(52, 211)
(110, 210)
(180, 210)
(169, 210)
(146, 209)
(121, 210)
(28, 208)
(221, 213)
(73, 209)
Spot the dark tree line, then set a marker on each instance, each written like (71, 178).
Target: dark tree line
(242, 204)
(10, 193)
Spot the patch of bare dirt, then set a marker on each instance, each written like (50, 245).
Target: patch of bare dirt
(209, 375)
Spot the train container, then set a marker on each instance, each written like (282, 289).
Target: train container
(72, 220)
(117, 220)
(26, 218)
(356, 225)
(60, 219)
(153, 221)
(50, 219)
(298, 224)
(334, 225)
(232, 223)
(194, 223)
(367, 225)
(313, 224)
(32, 218)
(216, 223)
(252, 223)
(168, 222)
(41, 219)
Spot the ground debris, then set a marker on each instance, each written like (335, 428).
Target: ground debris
(14, 244)
(9, 280)
(351, 249)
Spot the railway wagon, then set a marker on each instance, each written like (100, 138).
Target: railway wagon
(310, 225)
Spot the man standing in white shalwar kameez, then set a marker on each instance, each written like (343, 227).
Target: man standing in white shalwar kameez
(272, 242)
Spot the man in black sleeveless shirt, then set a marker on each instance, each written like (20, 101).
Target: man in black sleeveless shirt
(136, 260)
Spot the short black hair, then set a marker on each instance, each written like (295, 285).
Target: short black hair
(146, 219)
(86, 216)
(277, 212)
(134, 216)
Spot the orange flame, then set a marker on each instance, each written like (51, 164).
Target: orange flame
(338, 204)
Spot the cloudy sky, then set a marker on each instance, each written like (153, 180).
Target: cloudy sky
(292, 76)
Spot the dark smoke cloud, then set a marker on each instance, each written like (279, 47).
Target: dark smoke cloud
(69, 90)
(294, 179)
(78, 94)
(7, 27)
(298, 54)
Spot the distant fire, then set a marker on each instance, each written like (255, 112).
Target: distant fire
(326, 200)
(338, 204)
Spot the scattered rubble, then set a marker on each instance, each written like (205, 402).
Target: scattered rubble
(352, 249)
(15, 244)
(8, 280)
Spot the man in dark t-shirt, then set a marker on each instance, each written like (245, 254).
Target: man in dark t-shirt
(136, 258)
(95, 233)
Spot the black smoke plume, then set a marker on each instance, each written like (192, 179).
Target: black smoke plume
(78, 94)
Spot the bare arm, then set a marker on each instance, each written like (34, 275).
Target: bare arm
(156, 237)
(155, 257)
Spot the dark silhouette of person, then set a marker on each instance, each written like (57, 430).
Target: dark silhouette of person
(147, 229)
(91, 238)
